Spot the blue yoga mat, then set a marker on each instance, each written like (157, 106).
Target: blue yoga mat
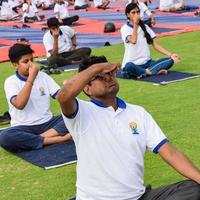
(51, 156)
(171, 77)
(164, 30)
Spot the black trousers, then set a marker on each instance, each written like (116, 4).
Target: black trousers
(70, 20)
(68, 57)
(183, 190)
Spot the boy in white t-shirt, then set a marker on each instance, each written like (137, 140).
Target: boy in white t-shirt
(62, 13)
(61, 45)
(28, 94)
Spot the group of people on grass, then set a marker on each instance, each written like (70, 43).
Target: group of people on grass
(30, 10)
(111, 136)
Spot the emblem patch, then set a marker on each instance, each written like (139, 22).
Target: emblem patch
(133, 127)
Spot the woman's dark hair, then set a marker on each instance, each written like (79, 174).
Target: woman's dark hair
(128, 9)
(18, 50)
(87, 62)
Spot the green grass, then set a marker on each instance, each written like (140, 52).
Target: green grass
(175, 107)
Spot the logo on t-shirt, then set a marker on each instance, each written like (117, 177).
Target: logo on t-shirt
(133, 127)
(42, 92)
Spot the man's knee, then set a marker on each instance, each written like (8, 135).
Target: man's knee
(194, 189)
(189, 190)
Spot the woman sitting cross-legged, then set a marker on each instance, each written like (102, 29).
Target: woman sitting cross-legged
(137, 62)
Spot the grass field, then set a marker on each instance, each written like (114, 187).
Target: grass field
(175, 107)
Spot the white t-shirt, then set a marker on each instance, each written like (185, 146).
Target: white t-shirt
(64, 40)
(14, 3)
(6, 9)
(32, 10)
(138, 53)
(46, 2)
(37, 109)
(111, 146)
(168, 3)
(61, 10)
(80, 2)
(98, 3)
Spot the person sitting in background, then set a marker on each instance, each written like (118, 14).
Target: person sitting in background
(102, 4)
(47, 4)
(81, 4)
(171, 5)
(30, 12)
(28, 95)
(8, 10)
(137, 61)
(62, 13)
(60, 44)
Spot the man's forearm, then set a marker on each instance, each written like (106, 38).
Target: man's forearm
(76, 84)
(179, 162)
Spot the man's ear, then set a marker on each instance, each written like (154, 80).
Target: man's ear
(87, 90)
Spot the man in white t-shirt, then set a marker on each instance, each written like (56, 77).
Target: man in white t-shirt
(62, 13)
(111, 138)
(28, 95)
(171, 5)
(60, 44)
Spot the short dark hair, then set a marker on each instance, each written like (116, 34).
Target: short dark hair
(52, 22)
(87, 62)
(18, 50)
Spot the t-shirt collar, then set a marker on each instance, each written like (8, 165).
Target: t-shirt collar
(120, 103)
(20, 77)
(129, 24)
(60, 32)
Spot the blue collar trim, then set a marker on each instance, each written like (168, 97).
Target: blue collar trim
(120, 103)
(60, 32)
(20, 77)
(129, 24)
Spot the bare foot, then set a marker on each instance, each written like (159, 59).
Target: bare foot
(162, 72)
(148, 72)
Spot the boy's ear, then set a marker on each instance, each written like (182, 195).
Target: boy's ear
(15, 65)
